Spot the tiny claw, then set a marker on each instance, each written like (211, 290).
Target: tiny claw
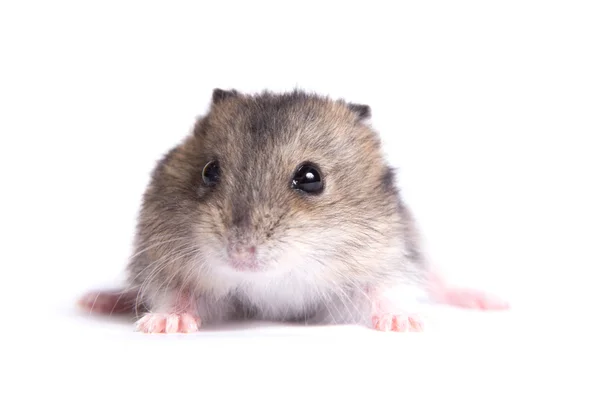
(397, 323)
(168, 323)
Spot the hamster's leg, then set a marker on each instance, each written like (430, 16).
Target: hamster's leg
(181, 313)
(175, 314)
(380, 308)
(389, 313)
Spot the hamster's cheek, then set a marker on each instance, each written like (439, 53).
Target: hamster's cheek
(289, 257)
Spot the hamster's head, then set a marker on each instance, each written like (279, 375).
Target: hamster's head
(272, 185)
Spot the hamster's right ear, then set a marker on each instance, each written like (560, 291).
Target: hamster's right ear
(362, 111)
(219, 95)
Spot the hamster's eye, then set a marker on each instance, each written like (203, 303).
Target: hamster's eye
(210, 173)
(307, 178)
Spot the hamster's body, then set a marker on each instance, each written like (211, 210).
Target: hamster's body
(278, 207)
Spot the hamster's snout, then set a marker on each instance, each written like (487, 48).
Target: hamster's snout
(242, 256)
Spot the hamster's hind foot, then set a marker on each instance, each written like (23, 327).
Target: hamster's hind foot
(473, 299)
(108, 302)
(168, 323)
(399, 322)
(443, 293)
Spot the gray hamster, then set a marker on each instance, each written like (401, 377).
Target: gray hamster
(279, 207)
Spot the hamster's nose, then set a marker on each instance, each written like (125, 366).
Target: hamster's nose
(242, 257)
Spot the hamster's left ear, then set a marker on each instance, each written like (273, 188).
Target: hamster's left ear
(219, 95)
(363, 111)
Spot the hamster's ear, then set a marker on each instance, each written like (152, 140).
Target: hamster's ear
(363, 111)
(219, 95)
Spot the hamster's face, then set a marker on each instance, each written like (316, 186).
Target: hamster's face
(270, 185)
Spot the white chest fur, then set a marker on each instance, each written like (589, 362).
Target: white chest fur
(282, 297)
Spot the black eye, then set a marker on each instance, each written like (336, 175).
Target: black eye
(308, 179)
(210, 173)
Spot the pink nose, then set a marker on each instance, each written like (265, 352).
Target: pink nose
(243, 257)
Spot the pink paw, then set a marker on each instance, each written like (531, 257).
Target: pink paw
(468, 298)
(168, 323)
(108, 302)
(397, 323)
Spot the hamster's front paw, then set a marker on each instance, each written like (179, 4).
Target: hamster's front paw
(168, 323)
(398, 322)
(389, 311)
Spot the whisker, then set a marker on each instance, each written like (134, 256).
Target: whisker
(155, 271)
(133, 283)
(151, 246)
(186, 252)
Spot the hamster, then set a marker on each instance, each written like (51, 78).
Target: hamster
(277, 207)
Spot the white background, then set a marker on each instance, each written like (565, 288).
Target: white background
(490, 110)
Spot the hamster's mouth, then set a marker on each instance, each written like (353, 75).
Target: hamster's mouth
(246, 265)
